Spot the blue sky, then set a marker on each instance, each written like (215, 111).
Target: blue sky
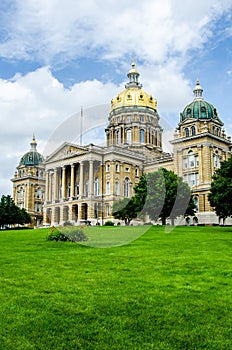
(59, 55)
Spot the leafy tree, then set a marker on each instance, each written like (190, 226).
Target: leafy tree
(221, 190)
(10, 214)
(125, 209)
(163, 194)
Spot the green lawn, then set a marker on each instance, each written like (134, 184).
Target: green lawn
(161, 291)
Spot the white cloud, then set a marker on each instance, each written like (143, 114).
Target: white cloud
(152, 29)
(161, 33)
(38, 103)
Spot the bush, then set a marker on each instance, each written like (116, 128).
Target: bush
(67, 234)
(109, 223)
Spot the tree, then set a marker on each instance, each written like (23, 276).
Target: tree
(10, 214)
(221, 190)
(125, 209)
(163, 194)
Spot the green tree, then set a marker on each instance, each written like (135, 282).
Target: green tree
(221, 190)
(163, 194)
(125, 209)
(10, 214)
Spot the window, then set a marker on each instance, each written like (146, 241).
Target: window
(107, 210)
(117, 188)
(136, 172)
(129, 136)
(191, 159)
(117, 168)
(117, 137)
(142, 135)
(186, 132)
(142, 118)
(128, 119)
(38, 193)
(185, 161)
(20, 193)
(197, 160)
(152, 137)
(77, 190)
(108, 187)
(107, 167)
(193, 130)
(216, 160)
(127, 169)
(96, 186)
(126, 187)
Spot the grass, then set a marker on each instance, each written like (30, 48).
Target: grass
(162, 291)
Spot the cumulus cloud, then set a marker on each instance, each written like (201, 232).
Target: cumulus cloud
(65, 29)
(162, 34)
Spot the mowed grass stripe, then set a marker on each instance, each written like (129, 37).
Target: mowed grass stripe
(161, 291)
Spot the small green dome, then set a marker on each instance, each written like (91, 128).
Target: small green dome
(32, 157)
(199, 108)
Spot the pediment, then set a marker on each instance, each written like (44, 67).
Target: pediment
(65, 151)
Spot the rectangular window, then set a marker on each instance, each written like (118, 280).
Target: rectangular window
(108, 187)
(117, 188)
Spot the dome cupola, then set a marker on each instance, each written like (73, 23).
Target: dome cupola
(199, 108)
(133, 96)
(32, 157)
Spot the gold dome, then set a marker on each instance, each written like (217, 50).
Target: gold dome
(133, 95)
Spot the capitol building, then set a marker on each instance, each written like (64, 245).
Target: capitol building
(80, 183)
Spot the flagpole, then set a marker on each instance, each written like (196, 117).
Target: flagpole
(81, 126)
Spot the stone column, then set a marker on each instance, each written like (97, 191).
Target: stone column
(81, 183)
(50, 187)
(72, 181)
(91, 170)
(55, 185)
(47, 186)
(63, 182)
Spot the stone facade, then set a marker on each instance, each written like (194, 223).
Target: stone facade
(83, 182)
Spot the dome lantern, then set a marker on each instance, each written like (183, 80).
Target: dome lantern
(32, 158)
(198, 91)
(133, 76)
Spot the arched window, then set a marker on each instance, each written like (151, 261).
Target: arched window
(217, 132)
(127, 187)
(216, 160)
(186, 132)
(129, 136)
(142, 136)
(117, 137)
(38, 193)
(213, 130)
(191, 159)
(96, 186)
(152, 137)
(193, 130)
(20, 193)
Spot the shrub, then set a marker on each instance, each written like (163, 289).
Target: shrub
(67, 234)
(109, 223)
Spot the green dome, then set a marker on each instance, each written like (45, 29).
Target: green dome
(199, 108)
(32, 157)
